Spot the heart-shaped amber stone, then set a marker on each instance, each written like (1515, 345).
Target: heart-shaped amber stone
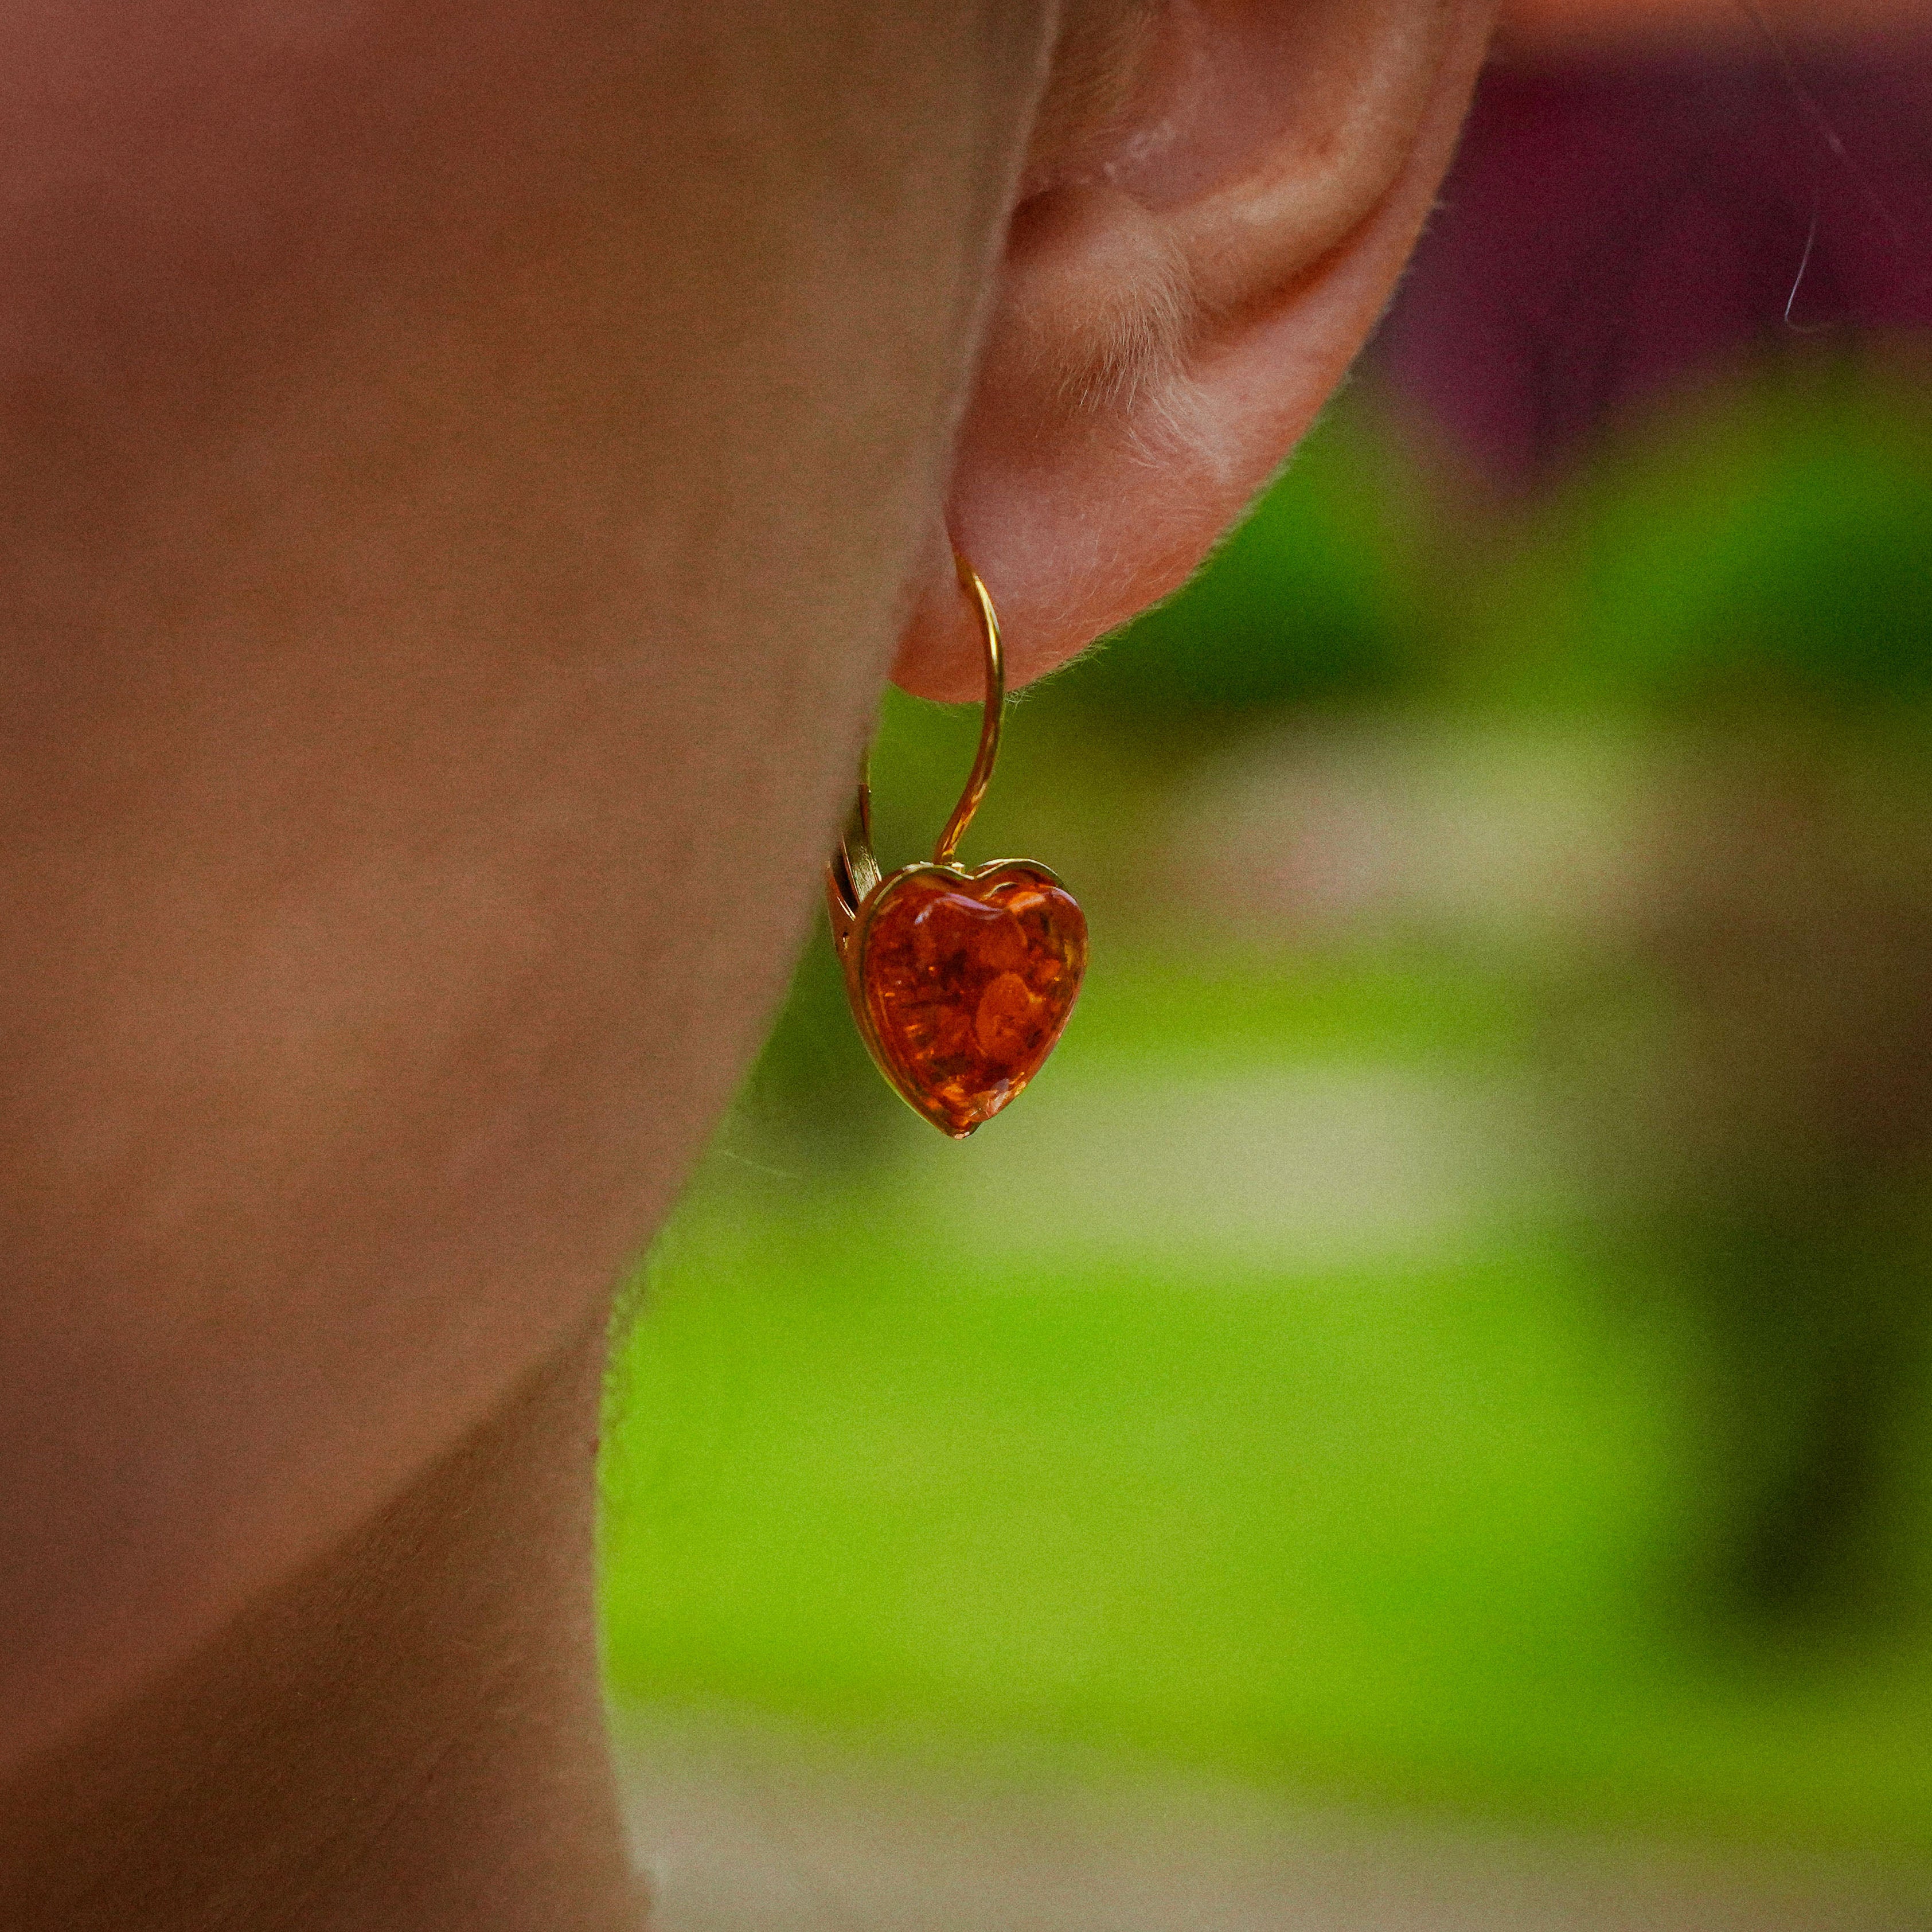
(963, 981)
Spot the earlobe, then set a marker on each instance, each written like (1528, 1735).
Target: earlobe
(1192, 263)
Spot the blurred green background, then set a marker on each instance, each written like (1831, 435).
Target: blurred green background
(1449, 1327)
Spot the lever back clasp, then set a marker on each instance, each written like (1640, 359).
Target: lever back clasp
(853, 872)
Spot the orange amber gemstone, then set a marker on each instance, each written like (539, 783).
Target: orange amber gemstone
(967, 979)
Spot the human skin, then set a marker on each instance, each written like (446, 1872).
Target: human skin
(468, 471)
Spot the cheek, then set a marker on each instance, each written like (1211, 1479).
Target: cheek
(445, 584)
(368, 994)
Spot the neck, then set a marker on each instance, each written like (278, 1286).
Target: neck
(408, 1734)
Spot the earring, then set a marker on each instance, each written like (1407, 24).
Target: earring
(960, 982)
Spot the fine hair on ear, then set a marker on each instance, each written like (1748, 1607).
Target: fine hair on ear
(1215, 202)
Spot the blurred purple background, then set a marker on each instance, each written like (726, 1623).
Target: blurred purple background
(1617, 222)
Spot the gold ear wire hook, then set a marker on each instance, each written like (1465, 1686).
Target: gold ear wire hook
(855, 866)
(981, 775)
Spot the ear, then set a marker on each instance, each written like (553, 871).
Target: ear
(1220, 196)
